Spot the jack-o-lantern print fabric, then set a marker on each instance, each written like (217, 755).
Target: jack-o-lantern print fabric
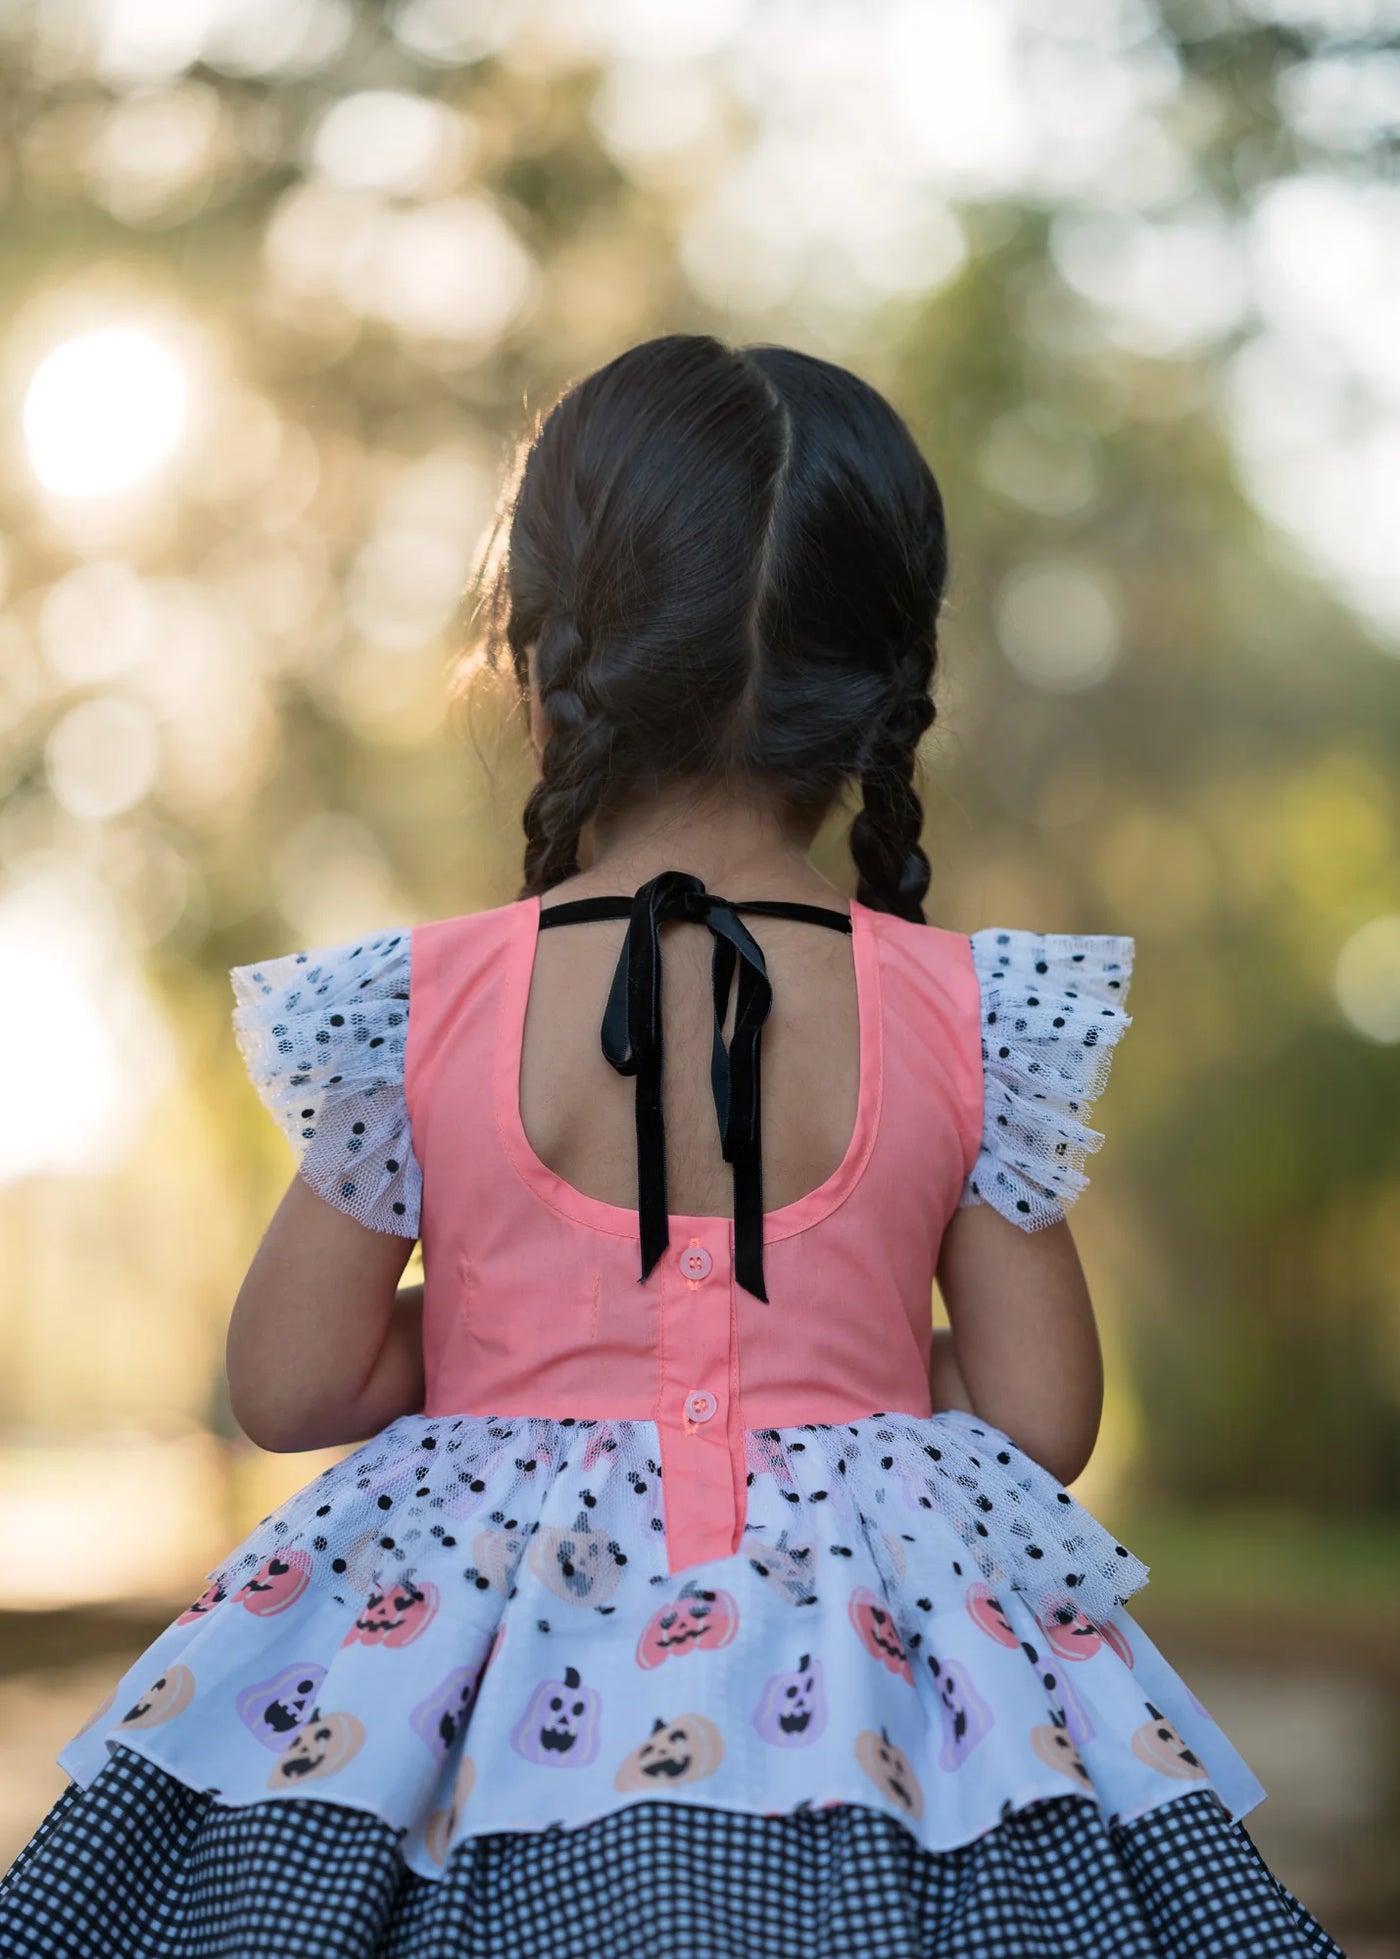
(469, 1625)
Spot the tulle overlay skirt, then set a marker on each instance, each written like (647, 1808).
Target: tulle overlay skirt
(910, 1713)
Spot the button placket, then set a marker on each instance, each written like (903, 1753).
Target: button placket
(695, 1406)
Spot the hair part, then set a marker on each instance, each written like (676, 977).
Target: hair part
(729, 564)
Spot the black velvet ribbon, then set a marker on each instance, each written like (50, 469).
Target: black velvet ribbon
(632, 1043)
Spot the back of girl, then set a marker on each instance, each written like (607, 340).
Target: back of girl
(690, 1596)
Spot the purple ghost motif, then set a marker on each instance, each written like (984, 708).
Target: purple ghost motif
(792, 1711)
(966, 1716)
(273, 1709)
(440, 1718)
(560, 1726)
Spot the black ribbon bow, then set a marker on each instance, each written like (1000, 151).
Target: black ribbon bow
(632, 1044)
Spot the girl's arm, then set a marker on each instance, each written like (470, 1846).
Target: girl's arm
(319, 1350)
(1024, 1342)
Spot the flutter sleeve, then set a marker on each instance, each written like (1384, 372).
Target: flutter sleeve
(1052, 1014)
(323, 1036)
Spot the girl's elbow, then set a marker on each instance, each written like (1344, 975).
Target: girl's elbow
(1069, 1454)
(263, 1427)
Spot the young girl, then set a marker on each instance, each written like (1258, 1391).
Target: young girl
(689, 1599)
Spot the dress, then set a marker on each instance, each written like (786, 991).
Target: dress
(674, 1623)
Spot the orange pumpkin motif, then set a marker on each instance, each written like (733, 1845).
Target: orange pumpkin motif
(878, 1633)
(394, 1617)
(697, 1619)
(277, 1583)
(1158, 1744)
(685, 1750)
(887, 1765)
(988, 1612)
(212, 1595)
(441, 1824)
(162, 1701)
(1052, 1741)
(326, 1743)
(1070, 1634)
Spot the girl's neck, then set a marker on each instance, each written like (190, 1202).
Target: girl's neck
(740, 847)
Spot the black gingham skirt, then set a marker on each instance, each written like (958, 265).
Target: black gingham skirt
(138, 1866)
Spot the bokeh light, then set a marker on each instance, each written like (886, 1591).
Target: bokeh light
(103, 411)
(1058, 624)
(1368, 978)
(102, 756)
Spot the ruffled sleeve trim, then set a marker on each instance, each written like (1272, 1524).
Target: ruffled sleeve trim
(1052, 1014)
(323, 1035)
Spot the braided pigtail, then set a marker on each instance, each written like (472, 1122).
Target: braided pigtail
(573, 766)
(885, 838)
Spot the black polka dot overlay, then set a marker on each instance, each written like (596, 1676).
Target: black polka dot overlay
(463, 1501)
(1052, 1013)
(323, 1036)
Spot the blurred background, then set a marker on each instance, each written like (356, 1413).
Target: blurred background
(283, 280)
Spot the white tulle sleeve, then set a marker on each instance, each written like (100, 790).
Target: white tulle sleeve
(1052, 1013)
(323, 1036)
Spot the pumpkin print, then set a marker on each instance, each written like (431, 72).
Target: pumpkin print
(162, 1701)
(272, 1709)
(988, 1612)
(696, 1618)
(788, 1568)
(437, 1834)
(600, 1447)
(763, 1456)
(792, 1712)
(686, 1750)
(212, 1595)
(277, 1583)
(1116, 1639)
(1070, 1634)
(363, 1556)
(325, 1743)
(1158, 1744)
(888, 1768)
(1051, 1741)
(1065, 1705)
(497, 1553)
(559, 1728)
(1067, 1702)
(440, 1718)
(579, 1566)
(878, 1635)
(394, 1617)
(966, 1716)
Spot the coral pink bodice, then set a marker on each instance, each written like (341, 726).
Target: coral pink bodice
(533, 1304)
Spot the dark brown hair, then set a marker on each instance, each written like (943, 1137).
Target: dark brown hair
(731, 564)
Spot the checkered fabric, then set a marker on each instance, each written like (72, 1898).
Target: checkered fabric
(138, 1866)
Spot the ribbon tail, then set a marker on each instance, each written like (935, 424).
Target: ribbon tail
(748, 1218)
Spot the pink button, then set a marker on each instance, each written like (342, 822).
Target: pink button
(695, 1262)
(700, 1404)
